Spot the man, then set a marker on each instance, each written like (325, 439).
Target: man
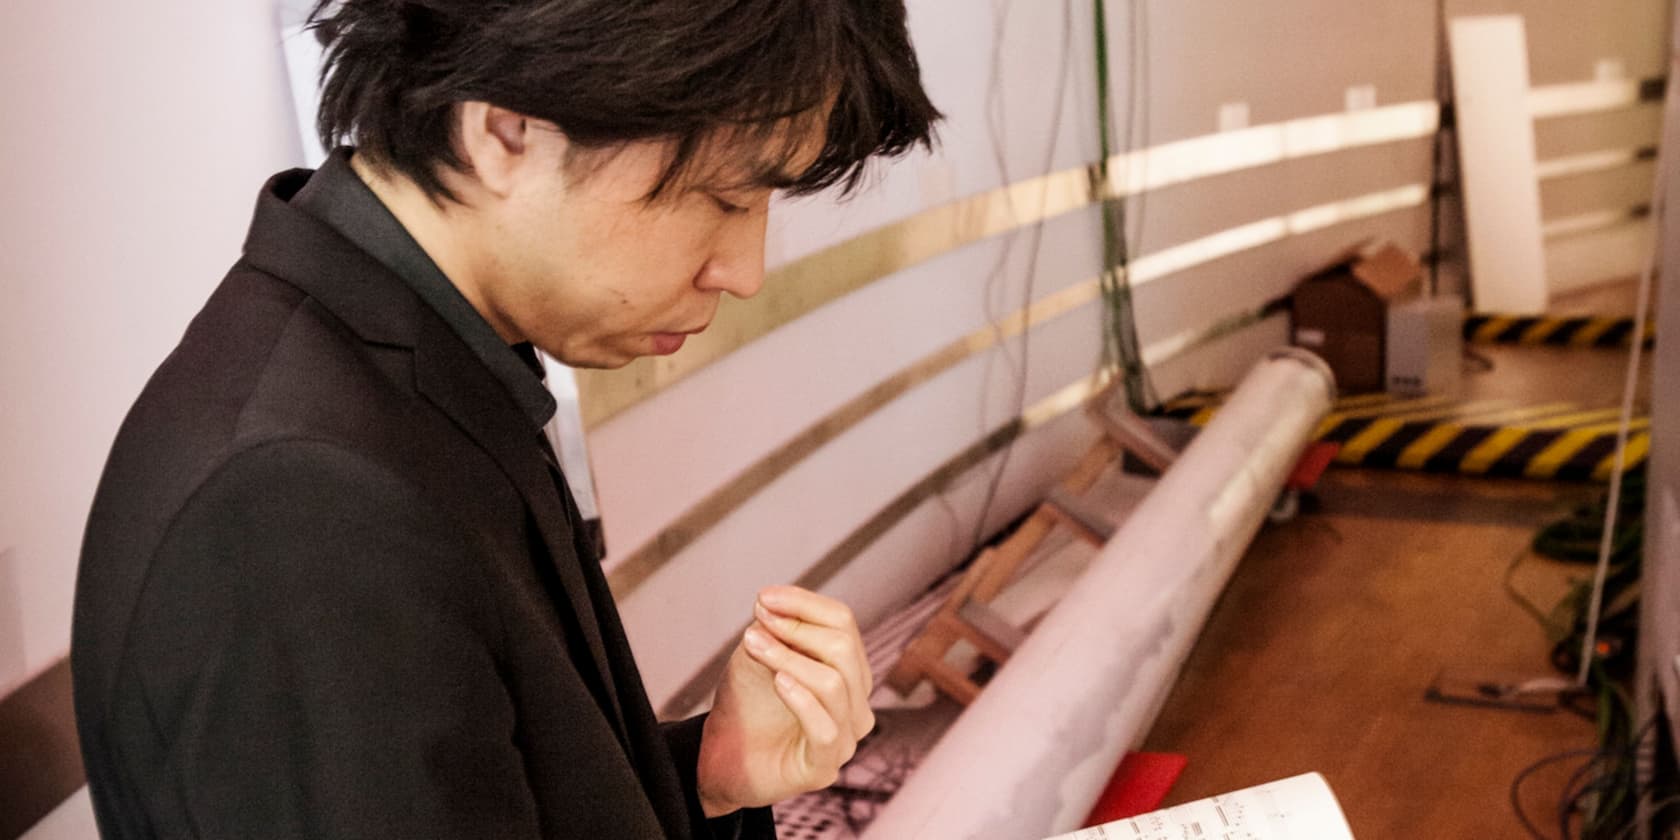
(333, 583)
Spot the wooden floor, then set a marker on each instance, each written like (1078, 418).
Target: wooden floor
(1321, 649)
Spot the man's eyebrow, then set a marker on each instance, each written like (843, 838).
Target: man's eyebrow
(781, 180)
(775, 175)
(767, 180)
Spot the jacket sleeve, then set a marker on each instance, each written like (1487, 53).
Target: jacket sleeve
(315, 652)
(683, 738)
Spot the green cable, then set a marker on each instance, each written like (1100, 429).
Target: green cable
(1120, 343)
(1608, 799)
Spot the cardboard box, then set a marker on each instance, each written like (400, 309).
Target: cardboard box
(1341, 313)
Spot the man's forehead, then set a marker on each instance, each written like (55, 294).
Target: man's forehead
(776, 159)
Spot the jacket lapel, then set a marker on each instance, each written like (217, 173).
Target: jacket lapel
(375, 304)
(449, 375)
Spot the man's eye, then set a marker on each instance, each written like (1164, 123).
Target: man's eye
(728, 206)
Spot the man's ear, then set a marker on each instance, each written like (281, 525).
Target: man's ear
(495, 143)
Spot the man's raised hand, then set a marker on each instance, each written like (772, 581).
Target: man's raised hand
(793, 704)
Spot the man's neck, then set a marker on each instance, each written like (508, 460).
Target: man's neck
(442, 229)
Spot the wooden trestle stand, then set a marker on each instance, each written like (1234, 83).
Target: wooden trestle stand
(967, 615)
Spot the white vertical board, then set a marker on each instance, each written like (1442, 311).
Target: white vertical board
(1496, 150)
(303, 56)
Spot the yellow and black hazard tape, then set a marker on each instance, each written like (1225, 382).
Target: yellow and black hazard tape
(1491, 437)
(1555, 332)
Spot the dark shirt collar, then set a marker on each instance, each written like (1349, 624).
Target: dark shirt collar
(336, 195)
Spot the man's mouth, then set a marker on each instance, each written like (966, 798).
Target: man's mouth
(664, 344)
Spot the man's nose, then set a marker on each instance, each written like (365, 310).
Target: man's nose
(737, 263)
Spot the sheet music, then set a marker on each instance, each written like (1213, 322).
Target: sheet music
(1298, 808)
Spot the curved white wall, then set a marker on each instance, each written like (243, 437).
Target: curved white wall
(1285, 61)
(136, 136)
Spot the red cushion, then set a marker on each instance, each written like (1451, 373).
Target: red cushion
(1313, 463)
(1139, 786)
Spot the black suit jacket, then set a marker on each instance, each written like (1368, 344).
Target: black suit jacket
(329, 588)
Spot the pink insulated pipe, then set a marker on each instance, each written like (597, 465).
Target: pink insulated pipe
(1030, 757)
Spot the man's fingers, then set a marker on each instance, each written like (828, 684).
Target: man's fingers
(839, 648)
(823, 628)
(833, 645)
(821, 732)
(829, 685)
(805, 605)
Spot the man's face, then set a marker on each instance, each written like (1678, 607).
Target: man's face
(583, 267)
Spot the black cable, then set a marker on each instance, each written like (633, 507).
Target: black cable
(1516, 786)
(1616, 713)
(1120, 350)
(1581, 783)
(1656, 808)
(1033, 252)
(995, 131)
(1129, 243)
(1571, 702)
(1604, 792)
(1483, 363)
(1443, 100)
(1576, 537)
(1570, 801)
(1625, 752)
(1548, 623)
(1138, 112)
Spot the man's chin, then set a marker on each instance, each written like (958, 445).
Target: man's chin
(593, 363)
(597, 358)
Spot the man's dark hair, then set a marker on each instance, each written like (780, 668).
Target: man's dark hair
(698, 74)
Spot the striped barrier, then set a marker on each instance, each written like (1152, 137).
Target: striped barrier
(1560, 441)
(1554, 332)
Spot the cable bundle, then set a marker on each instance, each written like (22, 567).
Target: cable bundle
(1603, 796)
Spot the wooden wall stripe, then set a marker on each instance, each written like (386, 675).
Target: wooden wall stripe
(706, 514)
(40, 755)
(698, 689)
(1595, 221)
(1576, 98)
(1593, 162)
(809, 283)
(719, 504)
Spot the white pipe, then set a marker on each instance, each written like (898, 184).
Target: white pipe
(1613, 505)
(1030, 757)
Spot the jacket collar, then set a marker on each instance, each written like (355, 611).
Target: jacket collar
(296, 247)
(336, 195)
(376, 305)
